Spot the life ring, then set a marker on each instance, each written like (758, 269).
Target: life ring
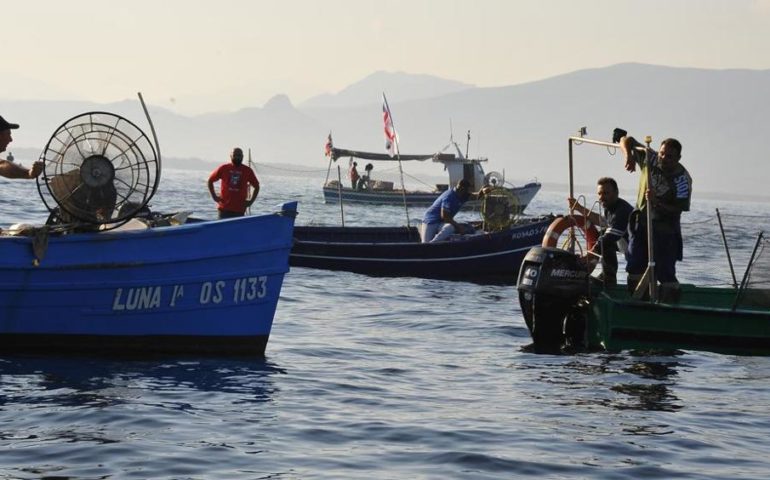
(557, 227)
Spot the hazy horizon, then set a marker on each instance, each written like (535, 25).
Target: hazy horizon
(192, 58)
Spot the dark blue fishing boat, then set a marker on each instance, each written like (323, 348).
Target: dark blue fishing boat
(105, 275)
(397, 251)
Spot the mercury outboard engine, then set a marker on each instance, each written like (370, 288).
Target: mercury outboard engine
(552, 282)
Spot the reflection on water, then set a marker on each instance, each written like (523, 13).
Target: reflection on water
(615, 381)
(97, 382)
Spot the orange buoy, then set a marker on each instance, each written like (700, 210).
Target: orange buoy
(558, 226)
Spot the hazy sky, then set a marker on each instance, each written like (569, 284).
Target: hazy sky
(221, 55)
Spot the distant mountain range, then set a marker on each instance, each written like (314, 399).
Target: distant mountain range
(398, 86)
(720, 116)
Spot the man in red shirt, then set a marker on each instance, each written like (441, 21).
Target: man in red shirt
(235, 180)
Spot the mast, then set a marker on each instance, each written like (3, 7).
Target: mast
(468, 144)
(398, 156)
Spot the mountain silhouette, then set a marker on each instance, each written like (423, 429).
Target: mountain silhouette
(718, 115)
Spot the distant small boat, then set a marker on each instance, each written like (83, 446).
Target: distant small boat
(397, 251)
(378, 192)
(192, 288)
(389, 196)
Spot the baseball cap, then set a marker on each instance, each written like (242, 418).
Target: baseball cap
(7, 126)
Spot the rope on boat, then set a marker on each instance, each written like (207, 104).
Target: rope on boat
(258, 166)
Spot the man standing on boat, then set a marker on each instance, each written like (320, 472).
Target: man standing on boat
(354, 176)
(668, 195)
(438, 223)
(9, 169)
(235, 179)
(615, 223)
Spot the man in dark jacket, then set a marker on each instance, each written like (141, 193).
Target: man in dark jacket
(615, 226)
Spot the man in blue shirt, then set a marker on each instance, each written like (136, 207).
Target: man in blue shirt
(438, 222)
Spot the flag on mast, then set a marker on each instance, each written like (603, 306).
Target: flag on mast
(328, 146)
(391, 137)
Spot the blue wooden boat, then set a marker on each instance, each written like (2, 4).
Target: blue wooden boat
(397, 251)
(207, 287)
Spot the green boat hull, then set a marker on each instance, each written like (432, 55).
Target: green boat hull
(703, 319)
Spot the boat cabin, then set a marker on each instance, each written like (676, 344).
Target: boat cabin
(459, 168)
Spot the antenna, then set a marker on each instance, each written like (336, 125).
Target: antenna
(468, 144)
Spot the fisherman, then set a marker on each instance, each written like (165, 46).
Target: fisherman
(668, 195)
(363, 182)
(615, 226)
(354, 176)
(9, 169)
(438, 223)
(235, 180)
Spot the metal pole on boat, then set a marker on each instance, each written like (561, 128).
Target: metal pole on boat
(571, 186)
(154, 136)
(468, 144)
(328, 170)
(571, 195)
(581, 133)
(727, 250)
(746, 273)
(650, 247)
(329, 152)
(403, 189)
(398, 157)
(339, 194)
(249, 189)
(579, 140)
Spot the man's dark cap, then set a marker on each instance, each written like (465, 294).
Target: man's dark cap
(7, 126)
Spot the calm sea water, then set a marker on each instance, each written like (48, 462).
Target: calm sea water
(390, 378)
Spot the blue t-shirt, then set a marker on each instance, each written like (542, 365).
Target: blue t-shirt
(449, 201)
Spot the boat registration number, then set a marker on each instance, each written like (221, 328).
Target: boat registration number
(239, 290)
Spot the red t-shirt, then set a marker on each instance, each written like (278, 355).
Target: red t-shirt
(235, 180)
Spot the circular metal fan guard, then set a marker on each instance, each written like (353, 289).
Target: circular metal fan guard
(99, 168)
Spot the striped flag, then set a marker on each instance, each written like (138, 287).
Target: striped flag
(328, 146)
(391, 137)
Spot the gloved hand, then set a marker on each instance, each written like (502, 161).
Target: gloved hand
(617, 134)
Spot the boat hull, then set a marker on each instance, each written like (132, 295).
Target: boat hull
(196, 288)
(563, 305)
(524, 195)
(397, 251)
(703, 319)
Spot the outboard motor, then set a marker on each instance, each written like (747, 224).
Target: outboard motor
(551, 283)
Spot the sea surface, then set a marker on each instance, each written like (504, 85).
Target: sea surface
(392, 378)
